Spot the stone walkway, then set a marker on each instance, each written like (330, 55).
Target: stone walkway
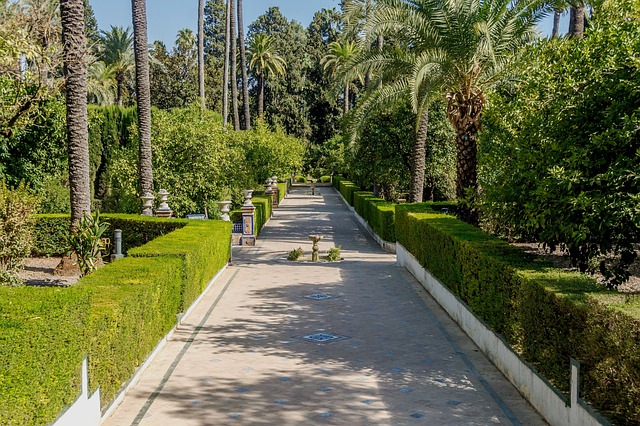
(395, 357)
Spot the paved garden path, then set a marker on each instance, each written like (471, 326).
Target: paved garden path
(241, 356)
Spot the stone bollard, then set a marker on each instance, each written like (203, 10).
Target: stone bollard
(117, 235)
(163, 209)
(315, 249)
(248, 220)
(224, 210)
(147, 204)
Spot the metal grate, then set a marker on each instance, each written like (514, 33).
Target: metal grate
(319, 296)
(237, 227)
(322, 337)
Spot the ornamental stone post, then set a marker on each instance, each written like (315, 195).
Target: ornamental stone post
(248, 220)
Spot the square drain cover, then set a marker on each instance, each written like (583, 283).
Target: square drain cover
(319, 296)
(322, 337)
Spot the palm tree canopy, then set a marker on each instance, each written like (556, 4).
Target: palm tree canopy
(340, 54)
(263, 58)
(116, 49)
(461, 46)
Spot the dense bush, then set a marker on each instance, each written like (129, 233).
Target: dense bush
(51, 231)
(560, 145)
(264, 208)
(16, 227)
(545, 314)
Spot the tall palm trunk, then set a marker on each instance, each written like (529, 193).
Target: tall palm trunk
(576, 22)
(345, 108)
(119, 88)
(75, 71)
(225, 76)
(556, 24)
(464, 113)
(143, 93)
(234, 69)
(201, 52)
(261, 94)
(418, 159)
(243, 65)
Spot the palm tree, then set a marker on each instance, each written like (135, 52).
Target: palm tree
(225, 73)
(117, 53)
(243, 65)
(264, 61)
(576, 18)
(234, 67)
(75, 71)
(340, 54)
(201, 52)
(356, 14)
(461, 49)
(143, 94)
(101, 83)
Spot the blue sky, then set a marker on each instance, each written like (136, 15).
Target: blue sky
(166, 17)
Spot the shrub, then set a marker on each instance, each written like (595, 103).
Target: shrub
(545, 314)
(86, 242)
(325, 179)
(295, 254)
(333, 255)
(301, 179)
(16, 227)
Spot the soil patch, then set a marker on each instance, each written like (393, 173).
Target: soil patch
(39, 272)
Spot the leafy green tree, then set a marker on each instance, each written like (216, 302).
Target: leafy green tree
(30, 52)
(214, 42)
(560, 146)
(285, 98)
(264, 61)
(324, 111)
(460, 48)
(116, 51)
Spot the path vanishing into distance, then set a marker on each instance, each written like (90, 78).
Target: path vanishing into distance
(246, 354)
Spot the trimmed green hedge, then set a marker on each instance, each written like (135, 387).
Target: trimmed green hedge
(117, 315)
(199, 262)
(51, 230)
(134, 303)
(264, 208)
(545, 314)
(282, 187)
(41, 352)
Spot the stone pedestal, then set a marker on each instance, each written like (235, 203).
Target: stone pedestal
(248, 220)
(275, 191)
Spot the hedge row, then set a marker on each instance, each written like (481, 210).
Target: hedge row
(116, 315)
(545, 314)
(264, 209)
(51, 230)
(282, 188)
